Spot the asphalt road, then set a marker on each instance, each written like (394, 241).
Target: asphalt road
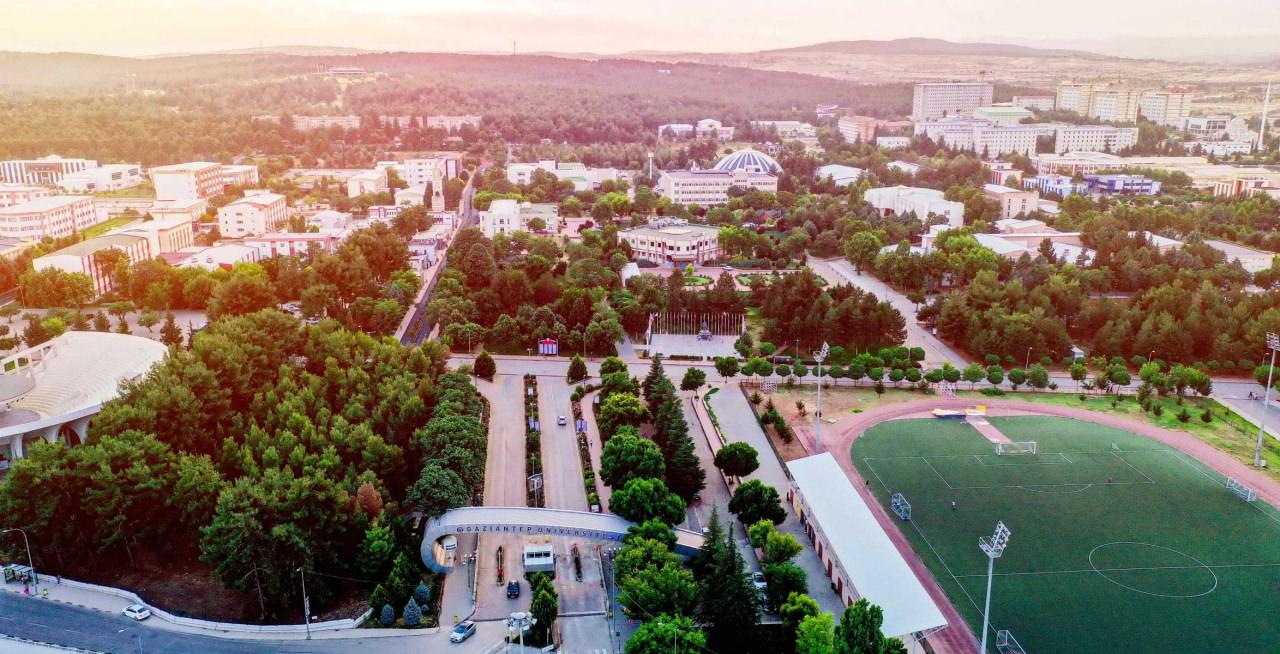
(504, 485)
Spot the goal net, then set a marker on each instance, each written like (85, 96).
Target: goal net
(1007, 644)
(900, 506)
(1245, 493)
(1016, 447)
(769, 387)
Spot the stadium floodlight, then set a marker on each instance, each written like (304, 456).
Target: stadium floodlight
(993, 547)
(819, 356)
(1273, 344)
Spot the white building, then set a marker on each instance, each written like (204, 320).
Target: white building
(1252, 260)
(673, 241)
(45, 170)
(368, 181)
(709, 188)
(53, 216)
(939, 99)
(1072, 163)
(1036, 102)
(239, 175)
(111, 177)
(411, 197)
(857, 129)
(1060, 185)
(1013, 202)
(904, 166)
(787, 129)
(163, 235)
(329, 219)
(1209, 128)
(1167, 108)
(1094, 138)
(197, 179)
(979, 135)
(224, 256)
(705, 128)
(840, 175)
(453, 123)
(190, 209)
(11, 194)
(582, 177)
(1220, 148)
(253, 214)
(79, 257)
(1002, 116)
(507, 216)
(307, 123)
(923, 202)
(431, 172)
(1100, 101)
(893, 142)
(284, 244)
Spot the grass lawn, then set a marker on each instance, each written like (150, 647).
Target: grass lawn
(1119, 543)
(103, 228)
(697, 280)
(755, 324)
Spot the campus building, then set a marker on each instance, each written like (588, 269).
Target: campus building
(453, 123)
(45, 171)
(307, 123)
(1253, 261)
(197, 179)
(840, 175)
(189, 208)
(1060, 185)
(283, 244)
(1168, 108)
(11, 194)
(54, 216)
(507, 216)
(923, 202)
(1094, 138)
(111, 177)
(79, 257)
(938, 99)
(703, 129)
(1013, 202)
(1100, 101)
(582, 177)
(709, 188)
(1122, 185)
(367, 181)
(1003, 116)
(253, 214)
(239, 175)
(673, 241)
(1071, 163)
(857, 129)
(1036, 102)
(163, 234)
(787, 129)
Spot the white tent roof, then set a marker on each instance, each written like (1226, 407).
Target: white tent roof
(862, 549)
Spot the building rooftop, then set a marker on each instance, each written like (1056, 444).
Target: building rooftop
(675, 232)
(86, 369)
(189, 167)
(44, 204)
(752, 161)
(258, 199)
(694, 174)
(97, 244)
(1235, 250)
(1004, 111)
(1000, 188)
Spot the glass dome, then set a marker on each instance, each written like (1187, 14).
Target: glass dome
(752, 161)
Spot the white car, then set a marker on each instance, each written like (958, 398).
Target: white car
(757, 578)
(137, 612)
(562, 421)
(463, 631)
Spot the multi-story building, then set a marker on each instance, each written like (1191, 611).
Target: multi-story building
(1122, 184)
(163, 235)
(703, 129)
(283, 244)
(260, 213)
(239, 175)
(1205, 127)
(923, 202)
(79, 258)
(1100, 101)
(1013, 202)
(857, 129)
(1003, 172)
(45, 170)
(190, 209)
(673, 241)
(401, 122)
(307, 123)
(1072, 163)
(368, 181)
(1167, 108)
(111, 177)
(11, 194)
(787, 129)
(507, 216)
(939, 99)
(1060, 185)
(893, 142)
(1220, 148)
(197, 179)
(1094, 138)
(1003, 116)
(582, 177)
(1036, 102)
(452, 123)
(1075, 97)
(53, 216)
(218, 257)
(978, 135)
(709, 188)
(1241, 185)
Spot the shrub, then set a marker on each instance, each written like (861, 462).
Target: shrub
(412, 614)
(756, 398)
(992, 359)
(1183, 415)
(1206, 416)
(388, 615)
(992, 392)
(422, 594)
(1157, 410)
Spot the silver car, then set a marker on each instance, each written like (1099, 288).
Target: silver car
(463, 631)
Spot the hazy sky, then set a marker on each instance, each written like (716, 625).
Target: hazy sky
(139, 27)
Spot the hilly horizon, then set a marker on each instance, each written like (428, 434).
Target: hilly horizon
(931, 46)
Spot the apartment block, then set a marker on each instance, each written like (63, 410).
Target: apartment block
(939, 99)
(53, 216)
(197, 179)
(253, 214)
(1094, 138)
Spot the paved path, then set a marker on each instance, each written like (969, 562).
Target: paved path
(596, 445)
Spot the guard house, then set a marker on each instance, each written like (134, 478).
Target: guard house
(539, 554)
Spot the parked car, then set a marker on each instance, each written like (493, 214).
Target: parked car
(463, 631)
(726, 267)
(757, 578)
(137, 612)
(513, 589)
(562, 421)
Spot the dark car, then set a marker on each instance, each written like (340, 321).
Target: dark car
(513, 589)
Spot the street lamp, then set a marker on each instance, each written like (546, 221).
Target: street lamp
(306, 601)
(518, 622)
(817, 423)
(1273, 344)
(136, 633)
(993, 547)
(30, 562)
(1028, 362)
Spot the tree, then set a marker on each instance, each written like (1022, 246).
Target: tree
(664, 634)
(655, 530)
(611, 365)
(655, 378)
(816, 635)
(645, 499)
(628, 456)
(737, 459)
(1037, 376)
(783, 580)
(754, 501)
(727, 367)
(412, 613)
(545, 606)
(694, 378)
(730, 602)
(859, 631)
(170, 333)
(437, 490)
(577, 369)
(973, 373)
(369, 500)
(379, 598)
(1079, 373)
(861, 249)
(995, 375)
(388, 615)
(617, 410)
(780, 547)
(422, 594)
(485, 367)
(796, 608)
(666, 587)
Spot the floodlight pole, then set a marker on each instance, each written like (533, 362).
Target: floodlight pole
(1273, 344)
(993, 547)
(817, 422)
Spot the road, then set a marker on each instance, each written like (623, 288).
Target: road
(504, 485)
(72, 626)
(839, 271)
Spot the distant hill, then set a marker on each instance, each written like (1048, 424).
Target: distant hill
(922, 46)
(297, 50)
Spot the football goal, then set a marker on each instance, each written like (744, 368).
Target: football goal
(1016, 447)
(900, 506)
(1247, 494)
(1007, 644)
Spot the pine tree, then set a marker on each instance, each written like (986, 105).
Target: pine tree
(412, 614)
(388, 616)
(651, 380)
(422, 594)
(712, 540)
(170, 333)
(379, 597)
(730, 602)
(577, 369)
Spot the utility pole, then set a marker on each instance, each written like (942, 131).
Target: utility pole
(1273, 344)
(306, 601)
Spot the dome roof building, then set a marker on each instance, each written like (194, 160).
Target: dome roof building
(752, 161)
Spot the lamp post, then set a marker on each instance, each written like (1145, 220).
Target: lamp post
(817, 422)
(306, 601)
(30, 561)
(1273, 344)
(993, 547)
(1027, 365)
(518, 622)
(136, 633)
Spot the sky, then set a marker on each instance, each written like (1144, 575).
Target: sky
(148, 27)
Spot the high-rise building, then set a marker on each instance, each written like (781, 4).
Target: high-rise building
(1167, 108)
(1100, 101)
(938, 99)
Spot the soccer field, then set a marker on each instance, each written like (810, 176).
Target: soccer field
(1119, 543)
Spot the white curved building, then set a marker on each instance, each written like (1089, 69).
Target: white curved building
(63, 382)
(752, 161)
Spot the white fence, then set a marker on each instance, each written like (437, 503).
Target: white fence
(331, 625)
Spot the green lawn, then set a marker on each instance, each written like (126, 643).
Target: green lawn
(697, 280)
(103, 228)
(1119, 544)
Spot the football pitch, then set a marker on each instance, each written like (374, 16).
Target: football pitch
(1119, 543)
